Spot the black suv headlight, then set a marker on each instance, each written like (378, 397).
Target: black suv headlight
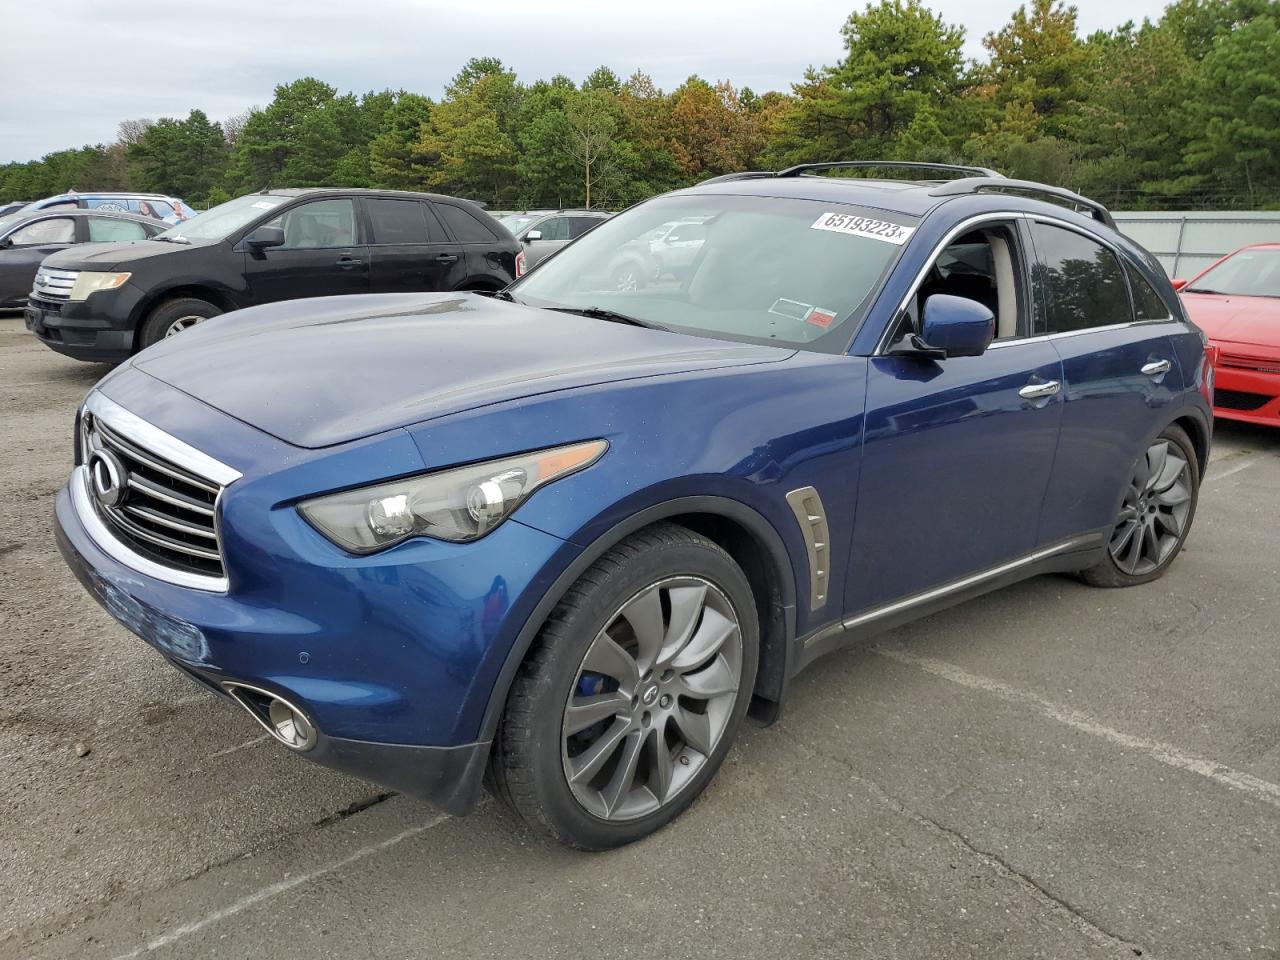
(460, 504)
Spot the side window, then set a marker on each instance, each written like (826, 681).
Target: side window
(981, 265)
(109, 228)
(1147, 304)
(156, 209)
(54, 230)
(401, 221)
(318, 224)
(464, 227)
(580, 225)
(1080, 280)
(111, 203)
(556, 228)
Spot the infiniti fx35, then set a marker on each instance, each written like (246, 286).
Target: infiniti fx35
(561, 540)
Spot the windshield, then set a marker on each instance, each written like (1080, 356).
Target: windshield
(756, 269)
(517, 222)
(225, 219)
(1248, 273)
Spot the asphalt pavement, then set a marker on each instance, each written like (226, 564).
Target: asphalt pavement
(1049, 771)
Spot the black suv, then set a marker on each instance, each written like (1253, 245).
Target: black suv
(107, 302)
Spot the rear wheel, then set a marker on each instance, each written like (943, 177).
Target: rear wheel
(174, 316)
(630, 698)
(1155, 517)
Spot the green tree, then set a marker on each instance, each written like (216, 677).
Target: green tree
(184, 158)
(393, 158)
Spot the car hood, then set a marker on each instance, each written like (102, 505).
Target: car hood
(107, 256)
(1235, 319)
(324, 371)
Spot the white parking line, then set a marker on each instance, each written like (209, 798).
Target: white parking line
(1210, 476)
(274, 890)
(1161, 752)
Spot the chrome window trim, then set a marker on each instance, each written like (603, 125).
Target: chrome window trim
(162, 444)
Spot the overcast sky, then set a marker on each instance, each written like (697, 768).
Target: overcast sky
(107, 62)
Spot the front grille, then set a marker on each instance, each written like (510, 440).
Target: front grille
(1239, 399)
(167, 513)
(1240, 362)
(54, 285)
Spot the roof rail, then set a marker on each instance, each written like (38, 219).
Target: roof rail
(744, 175)
(1000, 184)
(882, 164)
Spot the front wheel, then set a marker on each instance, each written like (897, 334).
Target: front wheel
(631, 696)
(174, 316)
(1155, 517)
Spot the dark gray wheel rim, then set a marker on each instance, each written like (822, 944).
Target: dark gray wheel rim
(182, 323)
(1153, 520)
(652, 698)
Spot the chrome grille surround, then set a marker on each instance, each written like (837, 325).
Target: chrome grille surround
(54, 284)
(165, 521)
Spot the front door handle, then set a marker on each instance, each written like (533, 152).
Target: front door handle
(346, 263)
(1156, 368)
(1040, 389)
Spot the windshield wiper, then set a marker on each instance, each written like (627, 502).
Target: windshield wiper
(613, 316)
(503, 295)
(172, 239)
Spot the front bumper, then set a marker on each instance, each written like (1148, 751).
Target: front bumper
(1250, 396)
(388, 705)
(97, 330)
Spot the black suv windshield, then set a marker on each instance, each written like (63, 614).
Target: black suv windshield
(221, 221)
(758, 269)
(1248, 273)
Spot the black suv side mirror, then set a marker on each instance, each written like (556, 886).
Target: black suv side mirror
(6, 243)
(266, 237)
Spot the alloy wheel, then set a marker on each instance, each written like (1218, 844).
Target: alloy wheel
(652, 698)
(1156, 507)
(182, 323)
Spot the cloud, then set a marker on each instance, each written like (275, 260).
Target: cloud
(74, 73)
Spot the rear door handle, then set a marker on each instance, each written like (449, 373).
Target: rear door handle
(1156, 368)
(1038, 391)
(346, 263)
(447, 257)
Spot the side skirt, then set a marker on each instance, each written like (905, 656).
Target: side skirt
(1075, 553)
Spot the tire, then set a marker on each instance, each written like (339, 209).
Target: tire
(1156, 514)
(665, 568)
(172, 316)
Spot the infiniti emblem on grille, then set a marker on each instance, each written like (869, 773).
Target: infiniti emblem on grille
(107, 478)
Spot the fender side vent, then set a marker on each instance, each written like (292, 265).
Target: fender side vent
(807, 506)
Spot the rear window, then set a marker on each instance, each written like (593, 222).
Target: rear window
(755, 269)
(464, 227)
(108, 228)
(401, 221)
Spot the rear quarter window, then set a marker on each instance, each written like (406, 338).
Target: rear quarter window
(465, 227)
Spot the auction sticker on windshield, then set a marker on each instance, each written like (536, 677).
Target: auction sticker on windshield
(864, 227)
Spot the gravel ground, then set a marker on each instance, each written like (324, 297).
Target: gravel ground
(1051, 771)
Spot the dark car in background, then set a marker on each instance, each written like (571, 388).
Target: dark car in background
(543, 232)
(107, 303)
(28, 236)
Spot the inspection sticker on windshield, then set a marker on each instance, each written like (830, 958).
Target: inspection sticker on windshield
(864, 227)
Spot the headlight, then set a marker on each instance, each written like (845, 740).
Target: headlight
(91, 281)
(456, 505)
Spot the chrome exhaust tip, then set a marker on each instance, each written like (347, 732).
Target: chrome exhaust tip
(285, 722)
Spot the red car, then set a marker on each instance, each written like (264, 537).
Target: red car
(1237, 303)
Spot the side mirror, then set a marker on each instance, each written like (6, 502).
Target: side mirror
(6, 243)
(533, 235)
(266, 237)
(957, 326)
(1178, 284)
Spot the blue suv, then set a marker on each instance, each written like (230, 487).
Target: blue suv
(562, 539)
